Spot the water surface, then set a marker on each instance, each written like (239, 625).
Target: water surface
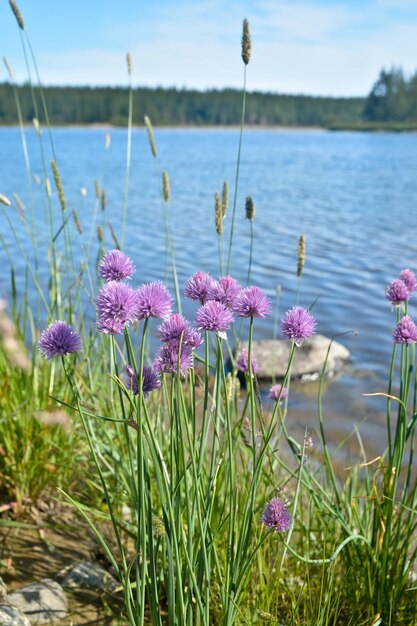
(353, 195)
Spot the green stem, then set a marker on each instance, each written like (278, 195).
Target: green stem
(242, 121)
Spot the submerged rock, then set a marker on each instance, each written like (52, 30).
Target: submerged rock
(87, 575)
(273, 354)
(43, 602)
(10, 616)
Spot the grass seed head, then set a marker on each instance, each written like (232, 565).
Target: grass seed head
(246, 43)
(249, 209)
(9, 69)
(4, 200)
(301, 254)
(129, 63)
(150, 136)
(58, 185)
(17, 14)
(225, 198)
(218, 214)
(77, 221)
(165, 186)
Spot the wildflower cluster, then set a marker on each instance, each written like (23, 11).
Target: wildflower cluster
(400, 290)
(398, 293)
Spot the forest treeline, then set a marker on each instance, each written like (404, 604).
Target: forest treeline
(392, 99)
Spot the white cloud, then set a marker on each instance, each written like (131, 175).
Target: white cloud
(298, 47)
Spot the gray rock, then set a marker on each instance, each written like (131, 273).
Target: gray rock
(9, 616)
(3, 591)
(43, 602)
(87, 575)
(273, 354)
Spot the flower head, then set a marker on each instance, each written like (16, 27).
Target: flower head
(276, 516)
(213, 316)
(150, 380)
(116, 307)
(408, 277)
(116, 265)
(58, 339)
(242, 362)
(175, 327)
(198, 287)
(397, 292)
(225, 290)
(252, 302)
(405, 331)
(153, 300)
(275, 391)
(166, 359)
(298, 324)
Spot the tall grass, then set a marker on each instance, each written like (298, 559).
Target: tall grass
(193, 464)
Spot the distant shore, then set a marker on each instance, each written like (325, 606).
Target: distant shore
(397, 127)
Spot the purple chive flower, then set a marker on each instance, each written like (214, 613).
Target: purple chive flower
(198, 287)
(213, 316)
(225, 290)
(151, 380)
(298, 324)
(276, 516)
(116, 307)
(405, 331)
(408, 277)
(242, 362)
(397, 292)
(116, 265)
(275, 391)
(176, 326)
(195, 339)
(166, 359)
(153, 300)
(252, 302)
(58, 339)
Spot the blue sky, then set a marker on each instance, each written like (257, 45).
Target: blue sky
(325, 47)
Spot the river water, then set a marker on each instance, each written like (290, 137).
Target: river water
(353, 195)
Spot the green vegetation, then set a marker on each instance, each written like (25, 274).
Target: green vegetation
(391, 105)
(176, 107)
(393, 98)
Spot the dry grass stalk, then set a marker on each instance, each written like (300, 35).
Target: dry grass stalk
(97, 189)
(100, 234)
(103, 199)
